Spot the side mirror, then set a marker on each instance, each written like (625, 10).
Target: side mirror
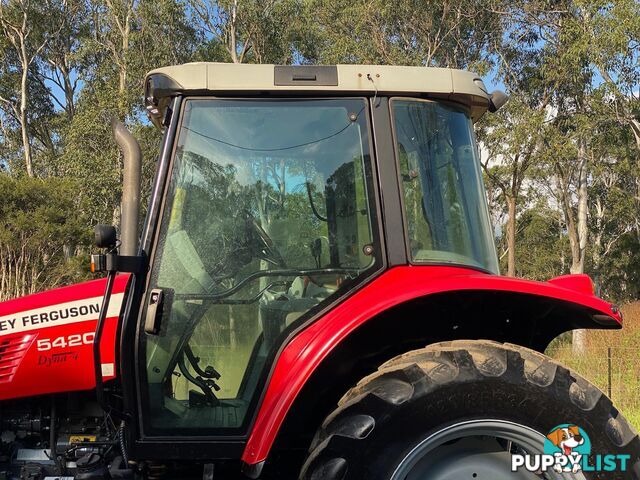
(497, 99)
(105, 236)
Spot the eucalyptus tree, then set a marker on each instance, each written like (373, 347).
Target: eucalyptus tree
(62, 60)
(126, 39)
(511, 142)
(249, 31)
(25, 33)
(431, 33)
(612, 38)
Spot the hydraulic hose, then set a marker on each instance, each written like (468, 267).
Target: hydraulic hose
(123, 446)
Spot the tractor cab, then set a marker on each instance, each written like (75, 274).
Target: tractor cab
(314, 295)
(272, 212)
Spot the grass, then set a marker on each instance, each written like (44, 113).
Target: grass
(622, 347)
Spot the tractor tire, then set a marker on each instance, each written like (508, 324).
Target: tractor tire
(393, 413)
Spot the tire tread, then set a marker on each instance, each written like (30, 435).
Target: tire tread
(416, 373)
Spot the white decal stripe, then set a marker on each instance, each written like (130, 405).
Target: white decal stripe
(60, 314)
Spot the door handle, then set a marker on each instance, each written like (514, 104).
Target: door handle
(154, 312)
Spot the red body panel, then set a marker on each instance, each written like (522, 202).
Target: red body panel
(46, 339)
(308, 349)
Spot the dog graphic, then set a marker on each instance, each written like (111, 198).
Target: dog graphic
(566, 439)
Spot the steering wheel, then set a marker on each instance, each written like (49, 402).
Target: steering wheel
(264, 244)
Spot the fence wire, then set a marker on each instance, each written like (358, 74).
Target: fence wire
(615, 370)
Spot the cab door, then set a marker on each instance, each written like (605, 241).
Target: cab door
(267, 217)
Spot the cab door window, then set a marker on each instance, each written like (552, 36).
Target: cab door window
(269, 215)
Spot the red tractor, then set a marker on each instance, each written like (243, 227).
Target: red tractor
(314, 294)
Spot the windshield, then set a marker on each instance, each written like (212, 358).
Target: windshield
(268, 216)
(444, 199)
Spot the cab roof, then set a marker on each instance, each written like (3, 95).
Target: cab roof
(228, 79)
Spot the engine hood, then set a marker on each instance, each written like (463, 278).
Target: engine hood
(46, 339)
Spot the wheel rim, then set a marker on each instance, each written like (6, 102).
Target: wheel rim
(475, 450)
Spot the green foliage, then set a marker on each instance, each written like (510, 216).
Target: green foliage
(38, 234)
(249, 31)
(543, 249)
(406, 32)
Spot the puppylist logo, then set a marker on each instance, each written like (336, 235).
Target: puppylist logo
(567, 449)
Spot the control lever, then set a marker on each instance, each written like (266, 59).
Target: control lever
(208, 372)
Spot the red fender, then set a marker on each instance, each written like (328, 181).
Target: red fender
(302, 355)
(46, 339)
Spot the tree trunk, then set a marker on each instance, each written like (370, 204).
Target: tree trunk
(122, 87)
(596, 255)
(635, 128)
(572, 231)
(69, 90)
(511, 236)
(24, 123)
(233, 42)
(120, 54)
(583, 230)
(579, 345)
(579, 342)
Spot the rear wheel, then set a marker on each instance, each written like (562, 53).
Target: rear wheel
(459, 410)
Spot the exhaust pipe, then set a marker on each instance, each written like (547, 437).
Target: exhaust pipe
(130, 206)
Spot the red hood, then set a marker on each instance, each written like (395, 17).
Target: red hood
(46, 339)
